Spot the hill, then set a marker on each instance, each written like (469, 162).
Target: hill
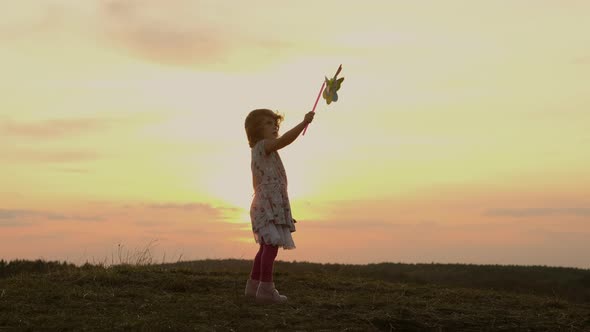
(208, 295)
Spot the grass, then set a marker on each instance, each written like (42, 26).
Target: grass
(208, 295)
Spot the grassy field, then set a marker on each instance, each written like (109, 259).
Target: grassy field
(208, 296)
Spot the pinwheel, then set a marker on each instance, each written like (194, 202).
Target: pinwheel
(330, 93)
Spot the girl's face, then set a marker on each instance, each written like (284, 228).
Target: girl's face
(270, 128)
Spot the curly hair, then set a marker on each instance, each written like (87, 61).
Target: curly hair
(254, 122)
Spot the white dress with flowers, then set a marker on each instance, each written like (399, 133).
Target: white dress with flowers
(270, 212)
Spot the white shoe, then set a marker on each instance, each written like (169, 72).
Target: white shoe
(268, 294)
(251, 287)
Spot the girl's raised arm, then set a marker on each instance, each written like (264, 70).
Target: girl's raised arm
(287, 138)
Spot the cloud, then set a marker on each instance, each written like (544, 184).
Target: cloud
(49, 130)
(183, 206)
(24, 20)
(19, 214)
(182, 212)
(197, 34)
(149, 215)
(370, 224)
(539, 212)
(60, 130)
(10, 223)
(11, 214)
(205, 35)
(73, 170)
(163, 32)
(52, 129)
(12, 218)
(173, 32)
(51, 18)
(142, 214)
(24, 217)
(42, 156)
(201, 208)
(582, 60)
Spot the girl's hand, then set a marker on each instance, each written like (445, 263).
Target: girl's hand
(309, 117)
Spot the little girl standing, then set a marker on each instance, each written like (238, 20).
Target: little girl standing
(270, 212)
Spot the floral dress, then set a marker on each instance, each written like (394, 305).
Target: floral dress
(270, 212)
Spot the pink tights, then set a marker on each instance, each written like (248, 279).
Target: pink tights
(263, 263)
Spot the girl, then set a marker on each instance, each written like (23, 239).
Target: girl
(270, 212)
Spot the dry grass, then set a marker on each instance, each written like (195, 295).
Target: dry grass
(208, 295)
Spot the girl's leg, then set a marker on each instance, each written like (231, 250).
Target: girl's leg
(254, 280)
(267, 293)
(269, 253)
(255, 274)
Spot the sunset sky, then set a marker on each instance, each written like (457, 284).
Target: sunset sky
(462, 133)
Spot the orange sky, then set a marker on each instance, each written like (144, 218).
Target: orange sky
(459, 135)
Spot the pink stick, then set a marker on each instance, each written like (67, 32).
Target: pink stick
(314, 105)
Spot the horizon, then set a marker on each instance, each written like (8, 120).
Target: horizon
(458, 137)
(150, 261)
